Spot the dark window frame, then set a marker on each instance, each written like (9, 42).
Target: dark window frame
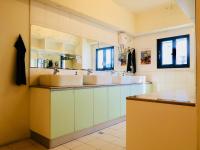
(173, 65)
(104, 58)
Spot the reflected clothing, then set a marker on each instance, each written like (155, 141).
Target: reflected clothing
(131, 65)
(20, 63)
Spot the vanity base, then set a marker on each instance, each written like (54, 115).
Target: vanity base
(51, 143)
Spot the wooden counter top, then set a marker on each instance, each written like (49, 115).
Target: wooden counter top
(83, 86)
(175, 98)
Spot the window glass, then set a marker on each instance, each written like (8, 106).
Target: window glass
(167, 48)
(181, 51)
(173, 52)
(100, 59)
(105, 58)
(108, 58)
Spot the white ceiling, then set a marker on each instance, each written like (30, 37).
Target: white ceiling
(188, 7)
(137, 6)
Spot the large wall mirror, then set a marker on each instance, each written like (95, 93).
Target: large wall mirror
(50, 47)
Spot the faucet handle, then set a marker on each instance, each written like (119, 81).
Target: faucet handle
(56, 64)
(89, 71)
(112, 72)
(55, 70)
(123, 73)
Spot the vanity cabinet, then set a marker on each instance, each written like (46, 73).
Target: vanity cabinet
(138, 89)
(148, 88)
(83, 109)
(62, 112)
(100, 105)
(58, 115)
(113, 102)
(125, 92)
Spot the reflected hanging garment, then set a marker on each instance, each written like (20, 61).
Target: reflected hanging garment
(20, 64)
(131, 66)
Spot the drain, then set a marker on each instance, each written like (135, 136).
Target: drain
(101, 132)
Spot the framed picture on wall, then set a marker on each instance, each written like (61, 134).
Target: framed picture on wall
(146, 57)
(122, 58)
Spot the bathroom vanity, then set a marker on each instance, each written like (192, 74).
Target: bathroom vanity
(61, 114)
(69, 99)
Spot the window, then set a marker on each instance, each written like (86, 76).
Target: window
(105, 58)
(173, 52)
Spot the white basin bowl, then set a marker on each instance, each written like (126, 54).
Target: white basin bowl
(128, 79)
(61, 80)
(139, 79)
(97, 79)
(122, 80)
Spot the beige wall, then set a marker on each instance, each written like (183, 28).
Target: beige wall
(86, 54)
(188, 7)
(103, 11)
(121, 19)
(198, 66)
(160, 18)
(60, 20)
(167, 79)
(14, 100)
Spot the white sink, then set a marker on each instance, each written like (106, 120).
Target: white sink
(128, 79)
(121, 80)
(97, 79)
(139, 79)
(61, 80)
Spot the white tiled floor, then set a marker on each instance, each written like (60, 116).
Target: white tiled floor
(113, 138)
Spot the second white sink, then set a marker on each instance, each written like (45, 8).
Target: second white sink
(97, 79)
(128, 79)
(121, 79)
(61, 80)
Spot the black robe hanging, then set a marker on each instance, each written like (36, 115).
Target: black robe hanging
(131, 65)
(20, 64)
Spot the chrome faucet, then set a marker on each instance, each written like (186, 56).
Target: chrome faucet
(123, 73)
(112, 72)
(55, 70)
(89, 71)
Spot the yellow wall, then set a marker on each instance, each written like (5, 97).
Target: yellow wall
(58, 19)
(40, 117)
(121, 19)
(14, 100)
(105, 11)
(159, 18)
(198, 66)
(157, 126)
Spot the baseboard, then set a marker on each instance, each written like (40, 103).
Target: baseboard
(51, 143)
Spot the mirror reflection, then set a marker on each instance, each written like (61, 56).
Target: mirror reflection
(50, 48)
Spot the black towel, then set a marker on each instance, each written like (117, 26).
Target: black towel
(20, 64)
(131, 66)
